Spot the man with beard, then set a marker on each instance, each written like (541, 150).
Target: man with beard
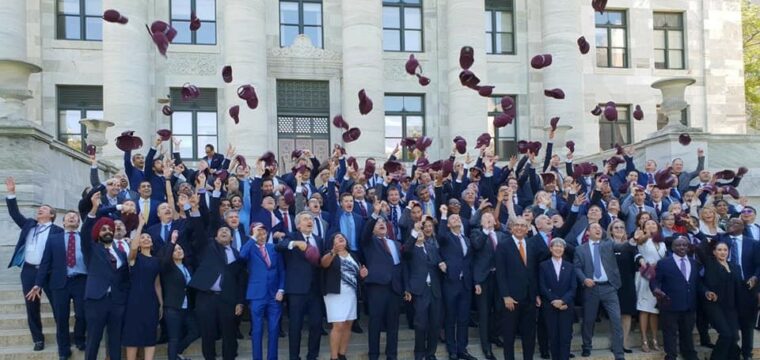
(134, 168)
(107, 284)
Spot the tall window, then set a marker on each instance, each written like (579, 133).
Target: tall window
(615, 132)
(79, 19)
(668, 41)
(194, 122)
(500, 33)
(404, 117)
(402, 25)
(76, 103)
(205, 10)
(505, 139)
(300, 17)
(611, 39)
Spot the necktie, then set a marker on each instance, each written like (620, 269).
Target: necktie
(463, 243)
(735, 254)
(683, 268)
(71, 256)
(657, 208)
(318, 221)
(394, 215)
(286, 221)
(145, 209)
(121, 247)
(165, 233)
(492, 235)
(597, 260)
(641, 209)
(585, 237)
(362, 209)
(522, 252)
(265, 255)
(111, 258)
(548, 239)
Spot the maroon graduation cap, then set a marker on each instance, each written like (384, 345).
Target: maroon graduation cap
(466, 57)
(684, 139)
(553, 122)
(555, 93)
(240, 159)
(248, 93)
(165, 134)
(423, 142)
(483, 140)
(91, 149)
(127, 141)
(522, 146)
(365, 103)
(461, 144)
(351, 161)
(599, 5)
(195, 22)
(638, 114)
(610, 111)
(583, 45)
(190, 91)
(742, 171)
(408, 142)
(596, 111)
(235, 113)
(423, 80)
(227, 74)
(485, 90)
(339, 122)
(570, 145)
(114, 16)
(268, 158)
(502, 120)
(369, 168)
(412, 65)
(167, 110)
(541, 61)
(467, 78)
(351, 135)
(392, 166)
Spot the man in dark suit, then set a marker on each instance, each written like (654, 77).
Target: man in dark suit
(542, 239)
(343, 219)
(133, 168)
(422, 284)
(28, 254)
(675, 286)
(220, 285)
(212, 158)
(161, 232)
(146, 205)
(266, 288)
(517, 279)
(485, 241)
(63, 268)
(596, 267)
(154, 172)
(749, 215)
(745, 253)
(105, 293)
(383, 283)
(300, 250)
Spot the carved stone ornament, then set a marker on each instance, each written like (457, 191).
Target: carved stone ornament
(303, 48)
(192, 64)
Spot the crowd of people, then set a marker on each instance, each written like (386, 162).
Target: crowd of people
(164, 252)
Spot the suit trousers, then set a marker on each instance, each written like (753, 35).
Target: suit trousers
(606, 295)
(726, 323)
(182, 330)
(300, 306)
(62, 298)
(490, 312)
(427, 323)
(457, 299)
(703, 323)
(677, 329)
(384, 307)
(33, 319)
(103, 314)
(271, 310)
(521, 320)
(214, 314)
(747, 309)
(559, 324)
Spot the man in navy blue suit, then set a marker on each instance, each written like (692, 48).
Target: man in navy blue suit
(133, 167)
(146, 205)
(28, 254)
(301, 250)
(266, 288)
(161, 232)
(212, 158)
(745, 253)
(63, 268)
(107, 285)
(154, 172)
(675, 286)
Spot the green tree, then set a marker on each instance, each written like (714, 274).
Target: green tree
(751, 29)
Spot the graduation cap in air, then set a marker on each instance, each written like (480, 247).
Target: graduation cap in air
(351, 135)
(553, 123)
(127, 141)
(423, 142)
(461, 144)
(167, 110)
(583, 45)
(195, 22)
(235, 113)
(114, 16)
(227, 74)
(248, 93)
(599, 5)
(190, 91)
(466, 57)
(570, 145)
(596, 111)
(555, 93)
(165, 134)
(684, 139)
(483, 140)
(268, 158)
(541, 61)
(638, 114)
(339, 122)
(610, 111)
(365, 103)
(467, 78)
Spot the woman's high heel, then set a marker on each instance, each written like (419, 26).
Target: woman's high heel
(655, 345)
(644, 346)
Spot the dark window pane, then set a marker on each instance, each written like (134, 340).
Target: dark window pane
(288, 34)
(315, 34)
(206, 35)
(391, 40)
(181, 9)
(312, 14)
(93, 7)
(184, 35)
(69, 27)
(70, 7)
(205, 9)
(94, 28)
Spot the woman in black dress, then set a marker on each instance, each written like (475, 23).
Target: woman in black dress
(627, 266)
(144, 302)
(720, 283)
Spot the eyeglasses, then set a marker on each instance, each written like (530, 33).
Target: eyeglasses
(618, 227)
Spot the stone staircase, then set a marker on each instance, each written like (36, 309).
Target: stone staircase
(16, 344)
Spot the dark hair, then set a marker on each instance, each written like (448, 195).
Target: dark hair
(345, 194)
(209, 146)
(419, 188)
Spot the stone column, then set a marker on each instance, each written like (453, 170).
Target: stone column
(566, 72)
(14, 69)
(245, 49)
(128, 63)
(465, 26)
(363, 69)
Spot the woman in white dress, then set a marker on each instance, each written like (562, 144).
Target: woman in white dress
(651, 250)
(341, 283)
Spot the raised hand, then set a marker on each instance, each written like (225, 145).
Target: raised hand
(158, 141)
(10, 185)
(363, 272)
(175, 236)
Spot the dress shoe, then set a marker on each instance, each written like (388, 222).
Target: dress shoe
(282, 333)
(453, 357)
(356, 328)
(545, 356)
(324, 332)
(489, 355)
(572, 356)
(497, 341)
(341, 357)
(586, 353)
(707, 344)
(39, 345)
(431, 357)
(80, 347)
(466, 356)
(627, 351)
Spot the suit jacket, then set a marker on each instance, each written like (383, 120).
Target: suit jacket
(419, 263)
(155, 231)
(152, 213)
(173, 284)
(685, 177)
(750, 261)
(258, 213)
(485, 254)
(157, 182)
(584, 264)
(552, 288)
(335, 211)
(26, 225)
(102, 277)
(669, 279)
(379, 262)
(301, 275)
(215, 162)
(134, 175)
(332, 275)
(516, 279)
(458, 261)
(722, 283)
(264, 281)
(630, 210)
(664, 205)
(53, 269)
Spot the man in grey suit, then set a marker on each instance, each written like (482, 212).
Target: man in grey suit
(596, 268)
(685, 177)
(633, 205)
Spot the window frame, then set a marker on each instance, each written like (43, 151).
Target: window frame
(83, 109)
(667, 49)
(59, 16)
(193, 34)
(194, 108)
(627, 121)
(608, 29)
(492, 114)
(401, 5)
(301, 24)
(405, 154)
(492, 33)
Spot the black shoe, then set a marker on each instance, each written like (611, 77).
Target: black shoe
(239, 335)
(63, 358)
(39, 345)
(282, 333)
(586, 353)
(545, 356)
(453, 357)
(80, 347)
(341, 357)
(707, 344)
(466, 356)
(627, 351)
(162, 340)
(497, 341)
(356, 328)
(572, 356)
(324, 332)
(489, 355)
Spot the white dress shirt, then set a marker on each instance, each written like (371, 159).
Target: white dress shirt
(557, 266)
(35, 243)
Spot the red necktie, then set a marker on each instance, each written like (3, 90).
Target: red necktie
(121, 247)
(71, 254)
(585, 238)
(265, 255)
(548, 239)
(111, 258)
(286, 221)
(362, 209)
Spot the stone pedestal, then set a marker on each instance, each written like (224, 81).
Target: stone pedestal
(14, 69)
(96, 132)
(673, 102)
(363, 69)
(244, 44)
(128, 57)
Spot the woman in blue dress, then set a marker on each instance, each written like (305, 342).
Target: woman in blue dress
(143, 309)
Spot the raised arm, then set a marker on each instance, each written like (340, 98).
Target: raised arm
(10, 201)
